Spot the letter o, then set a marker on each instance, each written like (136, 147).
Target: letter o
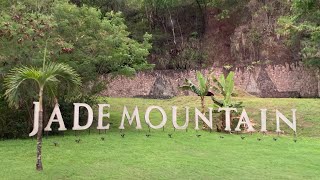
(163, 113)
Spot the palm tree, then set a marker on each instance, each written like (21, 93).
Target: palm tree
(46, 77)
(202, 90)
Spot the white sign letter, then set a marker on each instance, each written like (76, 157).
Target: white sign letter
(164, 117)
(263, 120)
(174, 118)
(35, 119)
(227, 118)
(203, 118)
(281, 116)
(244, 116)
(56, 112)
(76, 125)
(135, 115)
(102, 115)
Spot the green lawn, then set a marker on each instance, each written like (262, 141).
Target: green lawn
(185, 156)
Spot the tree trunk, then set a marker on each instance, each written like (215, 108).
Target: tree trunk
(203, 12)
(204, 125)
(202, 106)
(221, 123)
(39, 135)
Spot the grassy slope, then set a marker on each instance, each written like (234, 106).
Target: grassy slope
(183, 157)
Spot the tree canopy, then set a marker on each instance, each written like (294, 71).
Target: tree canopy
(91, 42)
(302, 26)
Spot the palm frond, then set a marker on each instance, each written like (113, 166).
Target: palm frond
(51, 91)
(218, 84)
(230, 82)
(14, 80)
(191, 87)
(203, 84)
(49, 76)
(222, 81)
(54, 72)
(226, 87)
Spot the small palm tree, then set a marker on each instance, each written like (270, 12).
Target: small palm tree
(46, 77)
(202, 90)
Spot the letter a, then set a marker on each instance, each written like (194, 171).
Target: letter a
(56, 112)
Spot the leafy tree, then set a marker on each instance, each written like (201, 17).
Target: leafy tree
(225, 87)
(100, 43)
(91, 42)
(302, 26)
(46, 78)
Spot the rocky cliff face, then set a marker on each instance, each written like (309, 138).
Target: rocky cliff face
(248, 37)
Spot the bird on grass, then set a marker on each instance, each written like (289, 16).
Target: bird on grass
(148, 135)
(122, 135)
(78, 140)
(198, 135)
(275, 139)
(242, 137)
(55, 144)
(170, 135)
(102, 138)
(259, 139)
(221, 137)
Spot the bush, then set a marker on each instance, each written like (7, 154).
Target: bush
(13, 123)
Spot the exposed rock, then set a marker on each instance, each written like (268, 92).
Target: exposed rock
(162, 88)
(289, 80)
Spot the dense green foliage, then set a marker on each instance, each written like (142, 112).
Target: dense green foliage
(177, 26)
(91, 42)
(302, 25)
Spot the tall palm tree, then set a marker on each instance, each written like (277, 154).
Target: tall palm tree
(48, 77)
(202, 90)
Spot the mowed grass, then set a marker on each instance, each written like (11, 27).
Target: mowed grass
(184, 156)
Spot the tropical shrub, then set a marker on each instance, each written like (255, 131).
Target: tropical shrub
(225, 87)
